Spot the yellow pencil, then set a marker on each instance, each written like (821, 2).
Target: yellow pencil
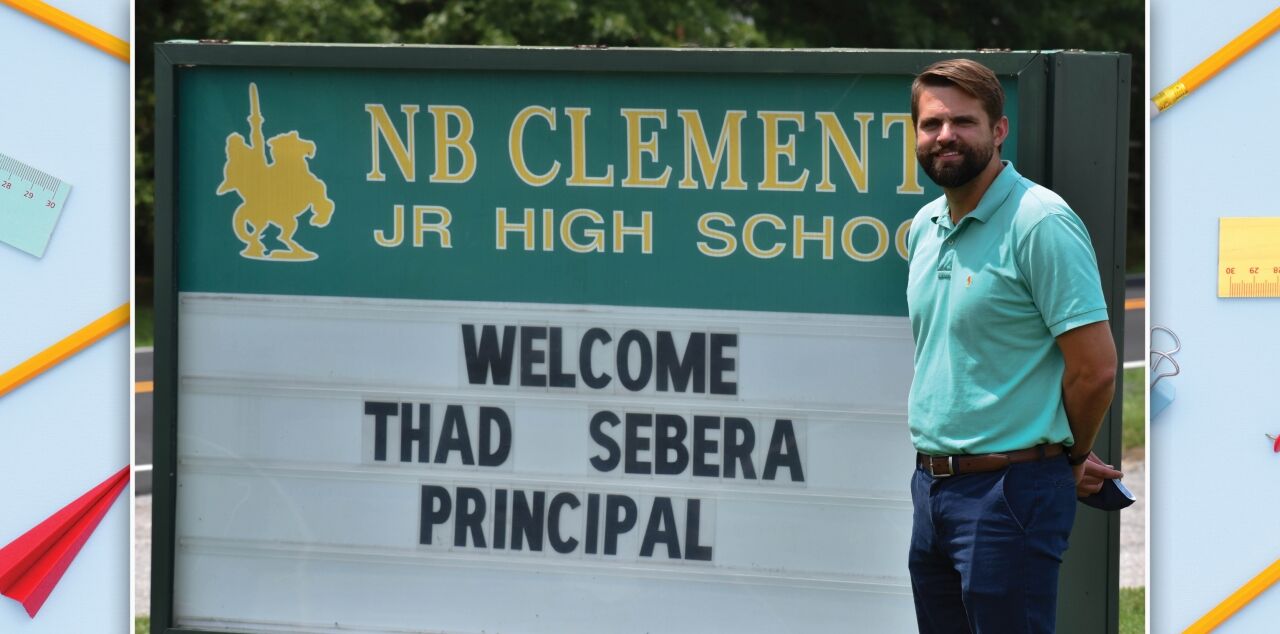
(1238, 599)
(1205, 70)
(55, 354)
(73, 26)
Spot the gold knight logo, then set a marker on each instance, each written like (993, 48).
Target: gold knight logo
(275, 193)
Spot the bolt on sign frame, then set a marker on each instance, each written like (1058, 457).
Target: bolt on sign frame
(490, 339)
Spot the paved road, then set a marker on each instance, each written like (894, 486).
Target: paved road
(1134, 327)
(142, 554)
(144, 371)
(1133, 525)
(1135, 320)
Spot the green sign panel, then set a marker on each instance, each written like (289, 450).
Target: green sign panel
(779, 193)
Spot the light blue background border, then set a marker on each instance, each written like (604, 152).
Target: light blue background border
(1215, 483)
(64, 109)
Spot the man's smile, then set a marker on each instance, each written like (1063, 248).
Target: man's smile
(953, 151)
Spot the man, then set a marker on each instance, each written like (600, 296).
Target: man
(1014, 369)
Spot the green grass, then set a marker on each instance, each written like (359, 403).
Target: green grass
(1133, 616)
(142, 625)
(1134, 408)
(144, 325)
(144, 313)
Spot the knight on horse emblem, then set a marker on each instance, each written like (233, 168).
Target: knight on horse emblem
(272, 193)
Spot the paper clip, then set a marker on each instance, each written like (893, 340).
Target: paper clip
(1162, 393)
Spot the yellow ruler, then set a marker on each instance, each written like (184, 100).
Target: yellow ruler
(1249, 257)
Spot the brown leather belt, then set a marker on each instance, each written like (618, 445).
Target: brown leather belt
(947, 466)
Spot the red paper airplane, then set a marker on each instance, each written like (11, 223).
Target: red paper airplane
(31, 565)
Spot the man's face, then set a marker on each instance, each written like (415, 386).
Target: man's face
(954, 138)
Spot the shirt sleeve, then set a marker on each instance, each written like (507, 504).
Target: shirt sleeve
(1061, 270)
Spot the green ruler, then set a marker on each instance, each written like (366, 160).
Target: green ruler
(30, 203)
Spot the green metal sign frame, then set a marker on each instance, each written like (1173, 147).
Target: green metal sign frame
(1072, 137)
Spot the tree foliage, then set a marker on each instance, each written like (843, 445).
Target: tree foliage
(707, 23)
(1104, 25)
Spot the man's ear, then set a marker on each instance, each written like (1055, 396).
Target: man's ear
(1001, 131)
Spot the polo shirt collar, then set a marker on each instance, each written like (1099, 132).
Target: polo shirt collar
(992, 199)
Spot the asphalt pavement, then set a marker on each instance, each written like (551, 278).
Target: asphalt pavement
(143, 400)
(1135, 319)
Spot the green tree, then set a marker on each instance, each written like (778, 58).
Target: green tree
(1106, 25)
(706, 23)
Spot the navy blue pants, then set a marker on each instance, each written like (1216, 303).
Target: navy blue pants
(986, 547)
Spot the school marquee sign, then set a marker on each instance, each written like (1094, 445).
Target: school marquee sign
(538, 340)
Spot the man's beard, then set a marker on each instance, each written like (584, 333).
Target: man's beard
(973, 161)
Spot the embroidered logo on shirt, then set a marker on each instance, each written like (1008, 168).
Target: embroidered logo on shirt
(968, 281)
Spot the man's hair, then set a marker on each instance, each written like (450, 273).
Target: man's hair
(969, 76)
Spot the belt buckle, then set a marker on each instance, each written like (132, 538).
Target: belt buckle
(951, 466)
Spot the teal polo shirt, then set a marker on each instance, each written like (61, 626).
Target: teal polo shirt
(987, 297)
